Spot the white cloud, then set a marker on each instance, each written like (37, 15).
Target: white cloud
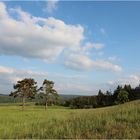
(51, 5)
(47, 38)
(98, 46)
(135, 77)
(14, 79)
(37, 37)
(81, 62)
(89, 45)
(107, 66)
(64, 84)
(22, 72)
(113, 58)
(5, 70)
(75, 88)
(110, 82)
(3, 12)
(133, 80)
(65, 76)
(9, 76)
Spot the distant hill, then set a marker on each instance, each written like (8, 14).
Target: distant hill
(8, 99)
(65, 97)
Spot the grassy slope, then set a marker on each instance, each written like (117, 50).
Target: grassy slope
(120, 121)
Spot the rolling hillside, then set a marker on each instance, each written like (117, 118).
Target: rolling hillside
(121, 121)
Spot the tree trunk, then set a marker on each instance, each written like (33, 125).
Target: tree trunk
(46, 104)
(23, 103)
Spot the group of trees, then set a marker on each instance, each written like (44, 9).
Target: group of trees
(46, 95)
(28, 89)
(120, 95)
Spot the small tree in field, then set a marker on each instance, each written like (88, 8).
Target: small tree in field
(48, 90)
(123, 96)
(25, 88)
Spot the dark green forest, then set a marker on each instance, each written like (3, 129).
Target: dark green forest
(119, 95)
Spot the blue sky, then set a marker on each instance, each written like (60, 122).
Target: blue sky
(81, 45)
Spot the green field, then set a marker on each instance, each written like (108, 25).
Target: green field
(121, 121)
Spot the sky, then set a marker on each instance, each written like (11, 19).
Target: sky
(82, 46)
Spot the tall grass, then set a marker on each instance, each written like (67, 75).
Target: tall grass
(122, 121)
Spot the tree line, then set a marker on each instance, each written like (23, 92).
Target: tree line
(46, 95)
(120, 95)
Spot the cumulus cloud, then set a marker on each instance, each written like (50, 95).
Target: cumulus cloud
(81, 62)
(37, 37)
(51, 6)
(22, 34)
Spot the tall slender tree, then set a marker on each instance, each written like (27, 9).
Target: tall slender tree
(25, 88)
(48, 90)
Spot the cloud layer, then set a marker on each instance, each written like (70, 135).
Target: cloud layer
(34, 36)
(81, 62)
(22, 34)
(10, 76)
(133, 80)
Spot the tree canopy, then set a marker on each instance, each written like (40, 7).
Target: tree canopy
(26, 88)
(48, 91)
(123, 96)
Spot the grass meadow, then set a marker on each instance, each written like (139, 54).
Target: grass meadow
(121, 121)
